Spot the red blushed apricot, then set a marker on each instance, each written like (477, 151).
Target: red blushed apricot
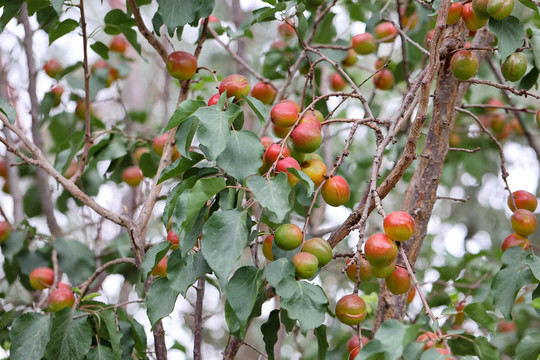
(429, 339)
(315, 169)
(3, 168)
(4, 230)
(454, 14)
(271, 154)
(386, 31)
(480, 8)
(236, 85)
(353, 346)
(60, 298)
(515, 240)
(159, 143)
(382, 272)
(398, 225)
(267, 247)
(380, 250)
(364, 44)
(337, 83)
(524, 200)
(399, 282)
(351, 309)
(41, 278)
(266, 141)
(350, 59)
(118, 44)
(173, 239)
(335, 191)
(182, 65)
(161, 268)
(284, 114)
(213, 100)
(472, 21)
(310, 119)
(365, 270)
(315, 113)
(286, 31)
(281, 132)
(464, 64)
(284, 164)
(384, 79)
(132, 176)
(305, 265)
(264, 92)
(523, 222)
(411, 294)
(288, 237)
(320, 248)
(287, 101)
(306, 138)
(53, 68)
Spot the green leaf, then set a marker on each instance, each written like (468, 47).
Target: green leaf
(449, 311)
(432, 354)
(184, 135)
(510, 33)
(215, 128)
(60, 29)
(529, 80)
(322, 343)
(242, 291)
(503, 288)
(270, 333)
(109, 332)
(485, 350)
(182, 272)
(535, 45)
(179, 13)
(101, 352)
(242, 156)
(395, 336)
(530, 5)
(258, 108)
(13, 245)
(160, 300)
(272, 194)
(148, 163)
(529, 346)
(11, 8)
(184, 111)
(174, 194)
(278, 270)
(304, 179)
(478, 313)
(372, 351)
(268, 13)
(5, 106)
(152, 257)
(224, 237)
(70, 338)
(303, 301)
(326, 31)
(533, 262)
(57, 5)
(29, 335)
(181, 165)
(75, 259)
(101, 49)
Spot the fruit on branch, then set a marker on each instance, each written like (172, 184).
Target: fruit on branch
(411, 294)
(399, 282)
(350, 59)
(236, 85)
(429, 339)
(445, 352)
(500, 9)
(288, 237)
(382, 272)
(159, 143)
(408, 22)
(319, 248)
(310, 119)
(284, 114)
(429, 36)
(57, 91)
(213, 100)
(514, 67)
(286, 31)
(3, 168)
(496, 103)
(281, 132)
(351, 309)
(118, 44)
(380, 62)
(306, 138)
(161, 268)
(506, 326)
(60, 298)
(454, 13)
(288, 162)
(480, 8)
(315, 169)
(337, 83)
(278, 45)
(472, 21)
(306, 265)
(62, 285)
(365, 270)
(182, 65)
(353, 346)
(80, 110)
(266, 142)
(515, 240)
(41, 278)
(464, 64)
(264, 92)
(271, 154)
(385, 31)
(523, 200)
(523, 222)
(384, 79)
(4, 231)
(398, 225)
(315, 113)
(267, 247)
(53, 68)
(364, 43)
(335, 191)
(497, 122)
(173, 239)
(380, 250)
(132, 176)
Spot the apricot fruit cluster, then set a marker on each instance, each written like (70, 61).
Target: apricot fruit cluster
(523, 221)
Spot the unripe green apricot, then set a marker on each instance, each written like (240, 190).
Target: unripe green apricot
(320, 248)
(480, 8)
(514, 67)
(500, 9)
(288, 237)
(383, 272)
(305, 265)
(464, 64)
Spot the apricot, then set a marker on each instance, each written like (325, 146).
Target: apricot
(335, 191)
(399, 281)
(364, 44)
(315, 169)
(306, 265)
(320, 248)
(264, 92)
(398, 225)
(351, 309)
(380, 250)
(284, 164)
(288, 237)
(365, 270)
(284, 114)
(41, 278)
(306, 138)
(523, 222)
(515, 240)
(514, 67)
(524, 200)
(464, 64)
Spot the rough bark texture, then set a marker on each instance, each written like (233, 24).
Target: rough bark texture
(421, 194)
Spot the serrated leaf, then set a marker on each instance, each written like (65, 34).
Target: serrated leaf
(181, 165)
(179, 13)
(215, 128)
(160, 300)
(182, 272)
(60, 29)
(101, 352)
(535, 45)
(303, 301)
(70, 338)
(270, 333)
(485, 350)
(278, 270)
(242, 156)
(108, 321)
(242, 290)
(184, 111)
(75, 259)
(258, 108)
(510, 33)
(224, 237)
(29, 336)
(272, 194)
(6, 107)
(152, 257)
(395, 336)
(529, 346)
(184, 135)
(322, 342)
(478, 313)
